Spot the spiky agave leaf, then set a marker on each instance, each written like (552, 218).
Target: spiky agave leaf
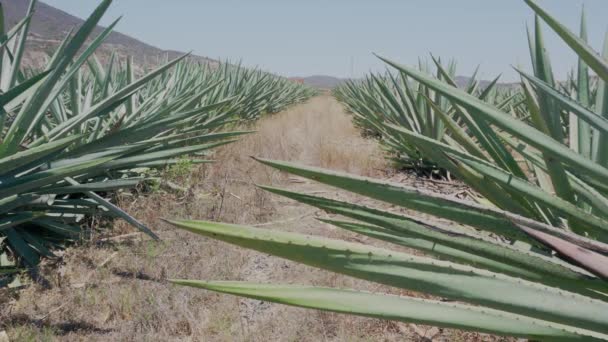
(406, 271)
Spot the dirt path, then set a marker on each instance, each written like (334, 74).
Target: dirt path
(126, 298)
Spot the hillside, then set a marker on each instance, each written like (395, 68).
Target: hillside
(50, 25)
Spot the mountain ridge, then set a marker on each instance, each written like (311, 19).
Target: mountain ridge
(49, 25)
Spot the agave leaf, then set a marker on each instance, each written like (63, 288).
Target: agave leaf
(47, 177)
(405, 309)
(583, 113)
(14, 201)
(22, 87)
(406, 271)
(105, 186)
(71, 232)
(116, 211)
(9, 221)
(500, 196)
(595, 224)
(19, 128)
(457, 132)
(582, 49)
(126, 162)
(19, 159)
(600, 150)
(77, 64)
(466, 241)
(433, 204)
(458, 245)
(6, 271)
(583, 94)
(29, 255)
(20, 46)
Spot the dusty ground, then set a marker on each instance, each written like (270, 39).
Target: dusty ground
(113, 289)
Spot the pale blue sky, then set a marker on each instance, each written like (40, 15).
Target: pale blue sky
(337, 37)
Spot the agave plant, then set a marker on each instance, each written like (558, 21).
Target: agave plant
(527, 259)
(399, 100)
(78, 130)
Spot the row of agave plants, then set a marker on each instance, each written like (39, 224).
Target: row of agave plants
(77, 130)
(528, 258)
(379, 99)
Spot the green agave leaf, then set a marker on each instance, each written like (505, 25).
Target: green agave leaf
(415, 199)
(169, 162)
(37, 243)
(116, 211)
(457, 132)
(426, 275)
(188, 139)
(39, 179)
(600, 150)
(430, 203)
(20, 46)
(464, 246)
(590, 193)
(405, 309)
(76, 66)
(597, 226)
(25, 120)
(6, 271)
(6, 38)
(583, 113)
(126, 162)
(14, 201)
(583, 94)
(8, 221)
(25, 157)
(22, 87)
(106, 185)
(29, 255)
(580, 47)
(71, 232)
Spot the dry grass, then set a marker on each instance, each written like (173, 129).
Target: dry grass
(115, 289)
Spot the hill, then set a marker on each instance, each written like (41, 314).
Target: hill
(50, 25)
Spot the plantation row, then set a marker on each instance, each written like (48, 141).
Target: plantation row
(76, 131)
(526, 258)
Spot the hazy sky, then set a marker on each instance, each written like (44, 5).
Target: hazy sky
(337, 37)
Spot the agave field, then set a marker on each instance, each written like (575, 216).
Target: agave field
(77, 131)
(399, 100)
(526, 257)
